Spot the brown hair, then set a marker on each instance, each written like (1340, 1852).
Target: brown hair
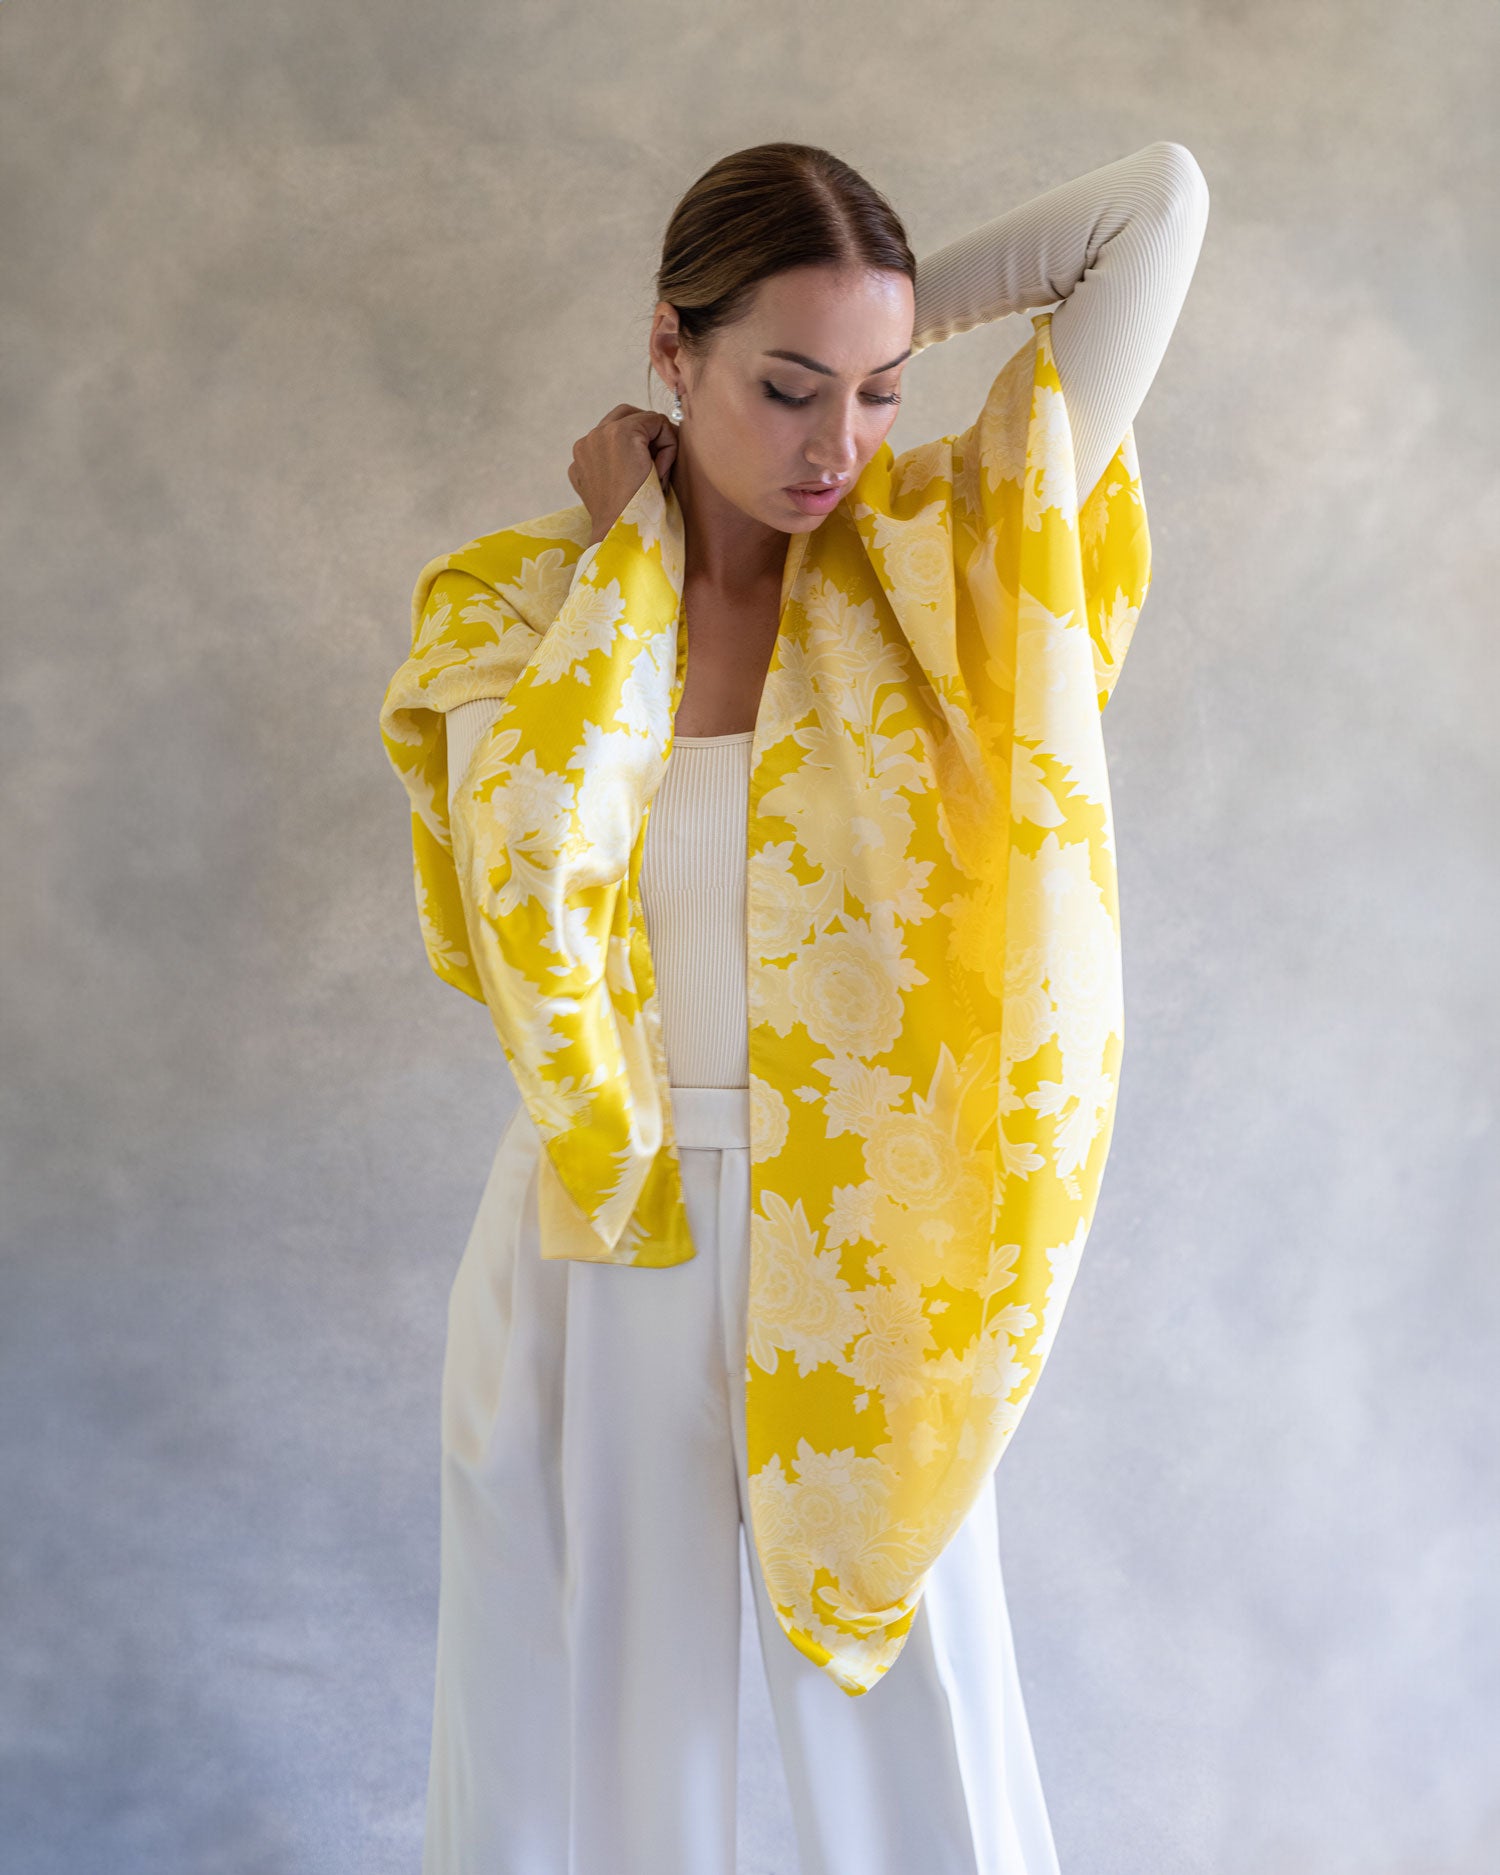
(763, 210)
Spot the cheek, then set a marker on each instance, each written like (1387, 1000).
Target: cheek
(888, 415)
(752, 439)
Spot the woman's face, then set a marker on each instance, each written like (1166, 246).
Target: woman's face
(802, 390)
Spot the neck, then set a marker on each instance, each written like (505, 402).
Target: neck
(724, 547)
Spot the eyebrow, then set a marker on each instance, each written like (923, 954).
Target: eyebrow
(800, 358)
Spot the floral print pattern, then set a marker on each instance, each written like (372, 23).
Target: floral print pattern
(935, 992)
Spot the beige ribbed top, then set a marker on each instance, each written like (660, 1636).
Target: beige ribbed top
(1118, 246)
(693, 896)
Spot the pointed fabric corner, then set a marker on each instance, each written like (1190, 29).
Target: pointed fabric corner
(530, 898)
(936, 1020)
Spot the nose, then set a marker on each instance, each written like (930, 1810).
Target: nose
(833, 448)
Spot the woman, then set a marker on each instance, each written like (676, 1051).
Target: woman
(778, 1237)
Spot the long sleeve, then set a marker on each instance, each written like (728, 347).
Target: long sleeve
(1117, 246)
(466, 725)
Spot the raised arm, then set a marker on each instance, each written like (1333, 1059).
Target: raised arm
(1117, 246)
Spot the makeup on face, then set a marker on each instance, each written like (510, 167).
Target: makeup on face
(811, 501)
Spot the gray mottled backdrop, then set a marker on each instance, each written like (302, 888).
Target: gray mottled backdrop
(296, 295)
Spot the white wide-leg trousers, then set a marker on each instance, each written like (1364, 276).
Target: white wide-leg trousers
(593, 1492)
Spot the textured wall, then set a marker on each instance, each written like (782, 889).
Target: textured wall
(296, 295)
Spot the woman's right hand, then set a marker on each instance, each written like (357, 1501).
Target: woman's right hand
(610, 463)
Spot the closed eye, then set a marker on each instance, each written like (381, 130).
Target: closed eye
(781, 397)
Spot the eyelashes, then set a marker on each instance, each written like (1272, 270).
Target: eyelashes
(781, 397)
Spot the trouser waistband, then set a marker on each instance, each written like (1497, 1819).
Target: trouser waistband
(711, 1116)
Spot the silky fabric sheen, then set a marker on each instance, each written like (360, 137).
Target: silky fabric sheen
(935, 993)
(593, 1492)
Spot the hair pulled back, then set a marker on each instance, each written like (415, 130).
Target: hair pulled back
(763, 210)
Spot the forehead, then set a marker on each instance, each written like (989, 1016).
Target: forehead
(856, 321)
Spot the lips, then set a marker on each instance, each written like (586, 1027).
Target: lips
(818, 498)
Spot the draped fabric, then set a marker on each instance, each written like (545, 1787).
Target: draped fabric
(935, 1000)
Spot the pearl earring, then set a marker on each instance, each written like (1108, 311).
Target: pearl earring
(676, 412)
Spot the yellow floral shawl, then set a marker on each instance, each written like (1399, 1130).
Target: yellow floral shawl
(935, 1002)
